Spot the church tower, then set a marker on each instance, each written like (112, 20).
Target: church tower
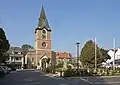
(43, 38)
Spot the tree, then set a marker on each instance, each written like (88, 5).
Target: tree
(87, 56)
(104, 54)
(4, 46)
(26, 47)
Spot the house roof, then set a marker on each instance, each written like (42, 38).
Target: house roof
(113, 50)
(15, 49)
(63, 55)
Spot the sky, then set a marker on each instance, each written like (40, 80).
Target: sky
(70, 21)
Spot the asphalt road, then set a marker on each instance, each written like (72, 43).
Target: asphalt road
(36, 78)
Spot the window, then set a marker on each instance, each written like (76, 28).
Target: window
(44, 34)
(16, 52)
(44, 44)
(11, 58)
(17, 58)
(20, 58)
(32, 59)
(44, 37)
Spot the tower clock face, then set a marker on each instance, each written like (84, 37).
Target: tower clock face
(44, 44)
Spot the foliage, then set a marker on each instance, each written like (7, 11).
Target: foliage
(69, 67)
(4, 46)
(70, 73)
(59, 69)
(91, 72)
(75, 73)
(73, 62)
(87, 56)
(49, 70)
(60, 64)
(104, 54)
(70, 54)
(26, 47)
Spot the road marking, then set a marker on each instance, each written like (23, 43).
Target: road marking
(53, 77)
(86, 80)
(63, 84)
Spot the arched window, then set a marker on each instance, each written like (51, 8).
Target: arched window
(44, 31)
(44, 34)
(44, 37)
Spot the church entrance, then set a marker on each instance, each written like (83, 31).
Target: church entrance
(44, 64)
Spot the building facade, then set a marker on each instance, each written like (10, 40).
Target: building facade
(16, 57)
(61, 56)
(115, 56)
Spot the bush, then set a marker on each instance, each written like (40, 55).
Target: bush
(73, 72)
(60, 65)
(70, 73)
(69, 67)
(59, 69)
(91, 72)
(49, 70)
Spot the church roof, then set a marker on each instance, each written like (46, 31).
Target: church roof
(43, 22)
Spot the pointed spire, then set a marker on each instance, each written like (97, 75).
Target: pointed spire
(43, 22)
(43, 15)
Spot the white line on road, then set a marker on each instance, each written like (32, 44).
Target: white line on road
(86, 80)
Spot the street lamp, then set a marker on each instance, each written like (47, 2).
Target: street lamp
(77, 54)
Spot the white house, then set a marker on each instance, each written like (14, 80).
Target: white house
(117, 58)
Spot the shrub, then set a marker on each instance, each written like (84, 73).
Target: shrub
(49, 70)
(73, 72)
(59, 69)
(69, 67)
(70, 73)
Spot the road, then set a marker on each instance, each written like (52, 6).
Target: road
(33, 77)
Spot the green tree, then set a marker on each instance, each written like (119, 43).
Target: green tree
(26, 47)
(4, 46)
(87, 56)
(104, 54)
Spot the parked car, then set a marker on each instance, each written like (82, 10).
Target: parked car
(9, 69)
(4, 69)
(2, 73)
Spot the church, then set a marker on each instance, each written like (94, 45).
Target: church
(42, 56)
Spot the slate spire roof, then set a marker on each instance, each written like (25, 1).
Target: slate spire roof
(43, 22)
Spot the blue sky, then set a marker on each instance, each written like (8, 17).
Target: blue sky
(70, 21)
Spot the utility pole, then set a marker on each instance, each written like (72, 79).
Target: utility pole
(95, 56)
(114, 54)
(14, 55)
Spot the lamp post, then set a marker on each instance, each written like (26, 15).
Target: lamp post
(77, 54)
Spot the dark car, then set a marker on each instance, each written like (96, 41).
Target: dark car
(2, 73)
